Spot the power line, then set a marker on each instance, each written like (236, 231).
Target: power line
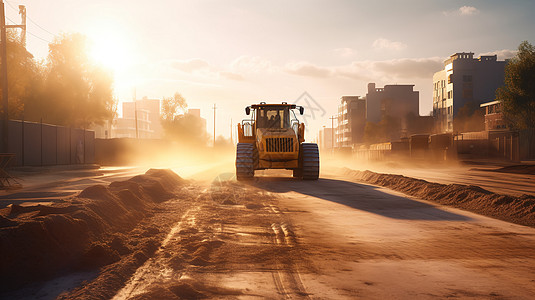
(31, 20)
(34, 35)
(42, 39)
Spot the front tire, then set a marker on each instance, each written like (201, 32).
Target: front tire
(244, 161)
(310, 161)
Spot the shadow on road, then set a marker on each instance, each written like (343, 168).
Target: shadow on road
(359, 196)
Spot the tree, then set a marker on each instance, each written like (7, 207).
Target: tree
(77, 92)
(24, 76)
(518, 93)
(173, 106)
(185, 128)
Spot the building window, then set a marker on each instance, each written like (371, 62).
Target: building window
(449, 78)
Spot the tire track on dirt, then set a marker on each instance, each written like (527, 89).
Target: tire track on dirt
(287, 278)
(146, 275)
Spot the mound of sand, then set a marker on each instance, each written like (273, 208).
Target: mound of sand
(41, 241)
(519, 210)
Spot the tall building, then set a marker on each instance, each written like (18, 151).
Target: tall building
(152, 107)
(464, 79)
(396, 101)
(351, 121)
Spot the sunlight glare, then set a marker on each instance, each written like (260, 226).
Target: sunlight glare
(110, 49)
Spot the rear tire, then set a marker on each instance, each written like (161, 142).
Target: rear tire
(244, 161)
(310, 161)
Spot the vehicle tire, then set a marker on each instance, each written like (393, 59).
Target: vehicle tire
(244, 161)
(310, 161)
(297, 173)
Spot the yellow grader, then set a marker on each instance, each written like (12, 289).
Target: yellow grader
(273, 138)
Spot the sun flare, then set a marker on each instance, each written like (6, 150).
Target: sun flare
(111, 50)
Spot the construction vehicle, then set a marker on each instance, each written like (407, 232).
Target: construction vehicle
(273, 138)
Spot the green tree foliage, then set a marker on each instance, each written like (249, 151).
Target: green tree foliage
(518, 93)
(186, 129)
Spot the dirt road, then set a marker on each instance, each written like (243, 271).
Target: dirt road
(280, 238)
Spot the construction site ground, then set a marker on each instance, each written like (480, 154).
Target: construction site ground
(205, 235)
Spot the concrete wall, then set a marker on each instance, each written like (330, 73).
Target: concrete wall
(36, 144)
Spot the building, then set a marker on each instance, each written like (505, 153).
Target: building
(152, 107)
(396, 101)
(493, 116)
(464, 79)
(351, 121)
(126, 126)
(325, 138)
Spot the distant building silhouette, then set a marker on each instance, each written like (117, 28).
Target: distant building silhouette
(325, 138)
(465, 80)
(393, 100)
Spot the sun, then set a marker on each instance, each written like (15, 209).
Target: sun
(110, 49)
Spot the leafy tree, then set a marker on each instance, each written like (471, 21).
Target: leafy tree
(518, 93)
(24, 76)
(185, 128)
(173, 106)
(76, 91)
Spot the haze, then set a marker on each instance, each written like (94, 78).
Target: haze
(237, 52)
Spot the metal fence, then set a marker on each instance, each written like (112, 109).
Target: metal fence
(39, 144)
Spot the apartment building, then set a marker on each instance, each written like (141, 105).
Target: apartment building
(464, 79)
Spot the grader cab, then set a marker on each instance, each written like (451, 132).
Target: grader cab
(273, 138)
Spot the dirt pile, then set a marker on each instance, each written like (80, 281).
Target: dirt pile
(86, 231)
(519, 210)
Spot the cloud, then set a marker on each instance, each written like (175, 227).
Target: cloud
(405, 68)
(231, 75)
(410, 67)
(250, 64)
(344, 52)
(382, 43)
(462, 11)
(190, 65)
(502, 54)
(307, 69)
(468, 11)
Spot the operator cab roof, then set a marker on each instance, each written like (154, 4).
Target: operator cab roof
(264, 104)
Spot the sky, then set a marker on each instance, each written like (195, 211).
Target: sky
(238, 52)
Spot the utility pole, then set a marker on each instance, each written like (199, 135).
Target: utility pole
(22, 13)
(332, 132)
(3, 74)
(231, 140)
(214, 108)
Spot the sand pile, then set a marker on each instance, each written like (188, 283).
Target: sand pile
(519, 210)
(40, 241)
